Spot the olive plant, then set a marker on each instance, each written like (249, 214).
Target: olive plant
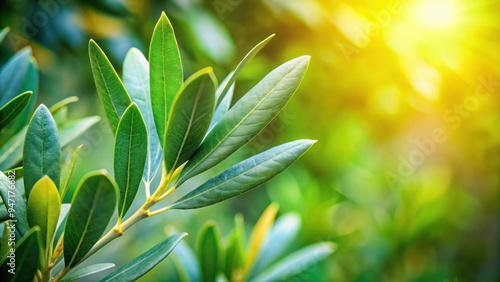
(160, 121)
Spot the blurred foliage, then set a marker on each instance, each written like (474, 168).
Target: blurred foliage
(402, 96)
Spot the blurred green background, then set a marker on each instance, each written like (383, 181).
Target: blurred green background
(403, 97)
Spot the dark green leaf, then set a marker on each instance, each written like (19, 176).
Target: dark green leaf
(86, 271)
(42, 150)
(91, 210)
(247, 117)
(26, 262)
(144, 263)
(244, 176)
(113, 94)
(165, 72)
(30, 83)
(13, 108)
(190, 118)
(12, 75)
(136, 80)
(248, 57)
(44, 206)
(131, 147)
(296, 262)
(8, 190)
(208, 250)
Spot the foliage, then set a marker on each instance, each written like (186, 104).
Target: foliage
(163, 114)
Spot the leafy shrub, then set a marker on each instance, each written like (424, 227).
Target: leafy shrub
(158, 119)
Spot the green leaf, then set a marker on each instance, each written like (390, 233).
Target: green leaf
(8, 190)
(225, 104)
(27, 262)
(13, 108)
(244, 176)
(44, 206)
(68, 172)
(42, 150)
(186, 263)
(86, 271)
(30, 83)
(136, 80)
(247, 117)
(248, 57)
(296, 262)
(3, 33)
(12, 75)
(4, 247)
(63, 103)
(131, 148)
(75, 128)
(110, 88)
(165, 72)
(277, 240)
(144, 263)
(234, 255)
(91, 210)
(208, 250)
(190, 118)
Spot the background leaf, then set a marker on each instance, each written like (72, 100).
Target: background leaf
(165, 72)
(208, 250)
(12, 75)
(3, 33)
(86, 271)
(44, 206)
(91, 210)
(244, 176)
(247, 117)
(27, 254)
(186, 263)
(21, 214)
(295, 263)
(131, 145)
(224, 105)
(136, 80)
(42, 150)
(113, 94)
(68, 172)
(144, 263)
(190, 118)
(13, 108)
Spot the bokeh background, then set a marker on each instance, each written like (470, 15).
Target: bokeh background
(403, 97)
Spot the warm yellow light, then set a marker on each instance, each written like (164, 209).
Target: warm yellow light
(435, 14)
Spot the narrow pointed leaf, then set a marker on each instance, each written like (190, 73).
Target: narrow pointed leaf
(27, 262)
(186, 263)
(225, 104)
(4, 247)
(113, 94)
(86, 271)
(44, 206)
(68, 172)
(247, 117)
(192, 112)
(12, 75)
(3, 33)
(13, 108)
(244, 176)
(296, 262)
(136, 80)
(208, 250)
(165, 72)
(9, 190)
(234, 256)
(30, 83)
(259, 232)
(277, 240)
(42, 150)
(248, 57)
(91, 210)
(131, 147)
(144, 263)
(63, 103)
